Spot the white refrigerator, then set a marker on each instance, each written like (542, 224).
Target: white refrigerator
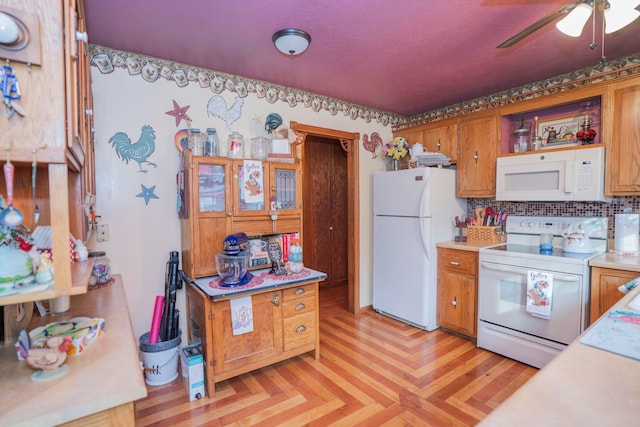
(412, 210)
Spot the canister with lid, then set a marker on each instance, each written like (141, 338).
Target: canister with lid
(212, 144)
(260, 147)
(196, 142)
(235, 144)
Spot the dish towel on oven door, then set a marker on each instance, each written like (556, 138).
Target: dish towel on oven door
(539, 293)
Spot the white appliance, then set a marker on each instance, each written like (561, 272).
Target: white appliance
(568, 175)
(509, 320)
(412, 210)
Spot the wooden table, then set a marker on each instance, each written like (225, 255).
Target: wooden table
(102, 382)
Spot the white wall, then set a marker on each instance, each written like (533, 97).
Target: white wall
(143, 235)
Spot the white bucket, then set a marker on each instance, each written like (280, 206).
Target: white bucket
(160, 360)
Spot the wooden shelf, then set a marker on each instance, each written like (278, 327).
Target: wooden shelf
(80, 274)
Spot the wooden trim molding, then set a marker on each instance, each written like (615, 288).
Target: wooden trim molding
(349, 143)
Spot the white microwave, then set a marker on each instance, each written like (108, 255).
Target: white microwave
(568, 175)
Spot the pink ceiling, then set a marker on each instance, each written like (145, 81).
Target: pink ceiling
(404, 56)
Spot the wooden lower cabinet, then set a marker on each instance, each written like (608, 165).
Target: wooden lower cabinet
(285, 322)
(457, 307)
(604, 289)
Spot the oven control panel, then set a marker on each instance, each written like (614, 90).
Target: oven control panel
(597, 227)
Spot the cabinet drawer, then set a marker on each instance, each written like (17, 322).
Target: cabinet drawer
(299, 330)
(458, 260)
(298, 306)
(298, 292)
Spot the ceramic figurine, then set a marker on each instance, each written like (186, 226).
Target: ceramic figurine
(275, 254)
(49, 360)
(45, 269)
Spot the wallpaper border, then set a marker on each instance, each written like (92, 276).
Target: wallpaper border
(151, 69)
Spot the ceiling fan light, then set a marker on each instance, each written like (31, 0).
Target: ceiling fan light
(573, 23)
(291, 42)
(619, 15)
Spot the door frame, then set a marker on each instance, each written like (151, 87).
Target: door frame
(349, 142)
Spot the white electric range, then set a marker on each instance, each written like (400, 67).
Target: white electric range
(533, 303)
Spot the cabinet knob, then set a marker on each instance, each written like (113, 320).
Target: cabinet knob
(475, 157)
(276, 300)
(454, 302)
(229, 214)
(300, 306)
(298, 291)
(438, 144)
(454, 263)
(82, 36)
(301, 328)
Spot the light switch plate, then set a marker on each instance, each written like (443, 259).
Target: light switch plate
(103, 233)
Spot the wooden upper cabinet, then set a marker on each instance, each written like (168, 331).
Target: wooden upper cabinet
(413, 135)
(623, 158)
(50, 133)
(478, 146)
(442, 137)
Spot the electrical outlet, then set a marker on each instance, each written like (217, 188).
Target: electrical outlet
(103, 233)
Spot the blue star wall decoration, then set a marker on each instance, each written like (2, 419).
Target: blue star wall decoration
(180, 113)
(147, 193)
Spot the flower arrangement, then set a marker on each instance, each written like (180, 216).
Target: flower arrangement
(396, 149)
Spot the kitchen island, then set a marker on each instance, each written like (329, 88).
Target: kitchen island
(243, 328)
(102, 382)
(583, 386)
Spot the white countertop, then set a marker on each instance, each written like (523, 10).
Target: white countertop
(262, 279)
(469, 245)
(615, 261)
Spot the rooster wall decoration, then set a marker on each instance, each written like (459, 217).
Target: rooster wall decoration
(217, 107)
(373, 144)
(139, 151)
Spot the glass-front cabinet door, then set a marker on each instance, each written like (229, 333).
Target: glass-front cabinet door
(205, 212)
(286, 188)
(250, 181)
(212, 188)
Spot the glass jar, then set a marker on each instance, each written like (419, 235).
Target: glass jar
(196, 142)
(260, 147)
(521, 137)
(235, 144)
(101, 272)
(212, 143)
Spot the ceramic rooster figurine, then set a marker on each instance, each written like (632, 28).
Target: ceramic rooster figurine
(51, 357)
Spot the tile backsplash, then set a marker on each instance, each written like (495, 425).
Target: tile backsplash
(576, 209)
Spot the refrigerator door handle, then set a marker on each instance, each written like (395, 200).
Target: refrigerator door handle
(425, 248)
(425, 205)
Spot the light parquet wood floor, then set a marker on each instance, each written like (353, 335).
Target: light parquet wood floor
(373, 371)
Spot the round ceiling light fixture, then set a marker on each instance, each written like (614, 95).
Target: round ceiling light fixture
(14, 34)
(291, 41)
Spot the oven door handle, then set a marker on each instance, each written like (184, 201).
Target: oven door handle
(562, 277)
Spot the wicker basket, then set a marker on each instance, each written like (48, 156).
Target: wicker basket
(485, 233)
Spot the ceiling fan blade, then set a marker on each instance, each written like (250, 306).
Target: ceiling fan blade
(540, 23)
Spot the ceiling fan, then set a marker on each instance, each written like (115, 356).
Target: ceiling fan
(617, 14)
